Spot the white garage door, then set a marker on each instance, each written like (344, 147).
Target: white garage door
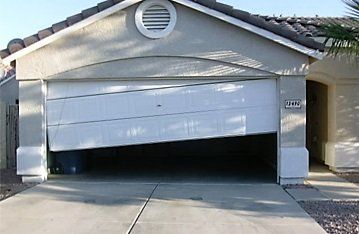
(85, 115)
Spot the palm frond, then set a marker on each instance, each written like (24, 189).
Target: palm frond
(344, 39)
(353, 7)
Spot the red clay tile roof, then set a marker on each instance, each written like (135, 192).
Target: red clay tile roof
(300, 30)
(310, 26)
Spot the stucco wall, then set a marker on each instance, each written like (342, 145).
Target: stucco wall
(196, 35)
(31, 157)
(347, 123)
(293, 155)
(341, 75)
(347, 112)
(340, 68)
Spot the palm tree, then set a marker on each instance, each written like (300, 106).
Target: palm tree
(344, 40)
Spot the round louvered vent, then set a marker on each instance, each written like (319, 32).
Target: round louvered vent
(156, 18)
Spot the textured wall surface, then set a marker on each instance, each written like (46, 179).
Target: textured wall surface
(348, 112)
(347, 123)
(31, 155)
(293, 158)
(341, 75)
(31, 113)
(196, 35)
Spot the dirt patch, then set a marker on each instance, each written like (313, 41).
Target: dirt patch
(334, 216)
(11, 184)
(351, 177)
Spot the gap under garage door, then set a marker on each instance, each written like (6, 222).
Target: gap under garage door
(87, 115)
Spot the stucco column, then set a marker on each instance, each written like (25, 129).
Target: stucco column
(292, 156)
(31, 154)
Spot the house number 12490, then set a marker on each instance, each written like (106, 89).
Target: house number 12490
(293, 104)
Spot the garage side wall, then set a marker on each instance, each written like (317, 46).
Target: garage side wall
(31, 155)
(293, 156)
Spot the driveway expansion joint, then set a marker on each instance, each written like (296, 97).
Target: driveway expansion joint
(142, 209)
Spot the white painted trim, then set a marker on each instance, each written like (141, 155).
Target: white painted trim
(127, 3)
(254, 29)
(83, 23)
(7, 80)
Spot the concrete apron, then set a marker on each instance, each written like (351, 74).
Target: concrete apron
(113, 207)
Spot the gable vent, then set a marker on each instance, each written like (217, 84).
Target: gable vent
(156, 18)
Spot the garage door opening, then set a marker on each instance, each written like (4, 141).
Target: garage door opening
(234, 159)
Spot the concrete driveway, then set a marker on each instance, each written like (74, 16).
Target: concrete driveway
(68, 206)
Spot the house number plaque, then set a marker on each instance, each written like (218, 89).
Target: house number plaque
(293, 104)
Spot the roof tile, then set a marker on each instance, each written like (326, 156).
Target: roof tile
(224, 8)
(4, 53)
(239, 14)
(207, 3)
(15, 45)
(104, 5)
(45, 33)
(74, 19)
(31, 40)
(59, 26)
(257, 21)
(89, 12)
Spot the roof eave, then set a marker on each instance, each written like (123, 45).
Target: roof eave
(252, 28)
(196, 6)
(83, 23)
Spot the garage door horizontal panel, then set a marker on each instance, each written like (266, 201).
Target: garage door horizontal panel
(263, 119)
(166, 101)
(68, 89)
(159, 129)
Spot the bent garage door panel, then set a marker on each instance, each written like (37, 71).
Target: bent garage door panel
(147, 113)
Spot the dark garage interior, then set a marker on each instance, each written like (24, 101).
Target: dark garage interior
(232, 159)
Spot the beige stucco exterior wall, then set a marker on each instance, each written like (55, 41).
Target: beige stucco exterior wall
(200, 46)
(196, 35)
(342, 79)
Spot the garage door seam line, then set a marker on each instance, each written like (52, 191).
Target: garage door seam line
(152, 89)
(155, 115)
(142, 209)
